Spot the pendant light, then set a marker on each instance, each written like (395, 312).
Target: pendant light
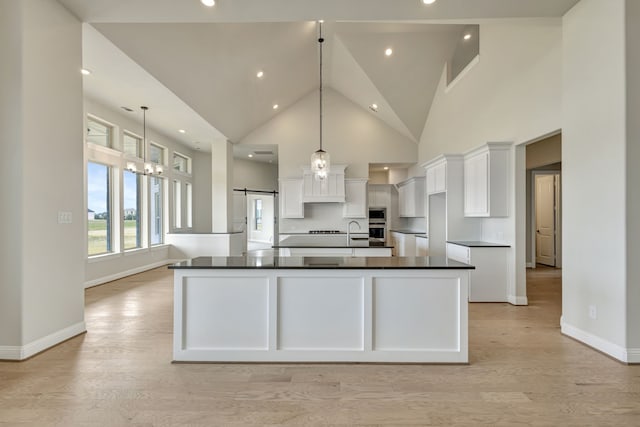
(148, 167)
(320, 160)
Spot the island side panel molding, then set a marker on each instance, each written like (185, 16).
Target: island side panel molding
(360, 300)
(316, 314)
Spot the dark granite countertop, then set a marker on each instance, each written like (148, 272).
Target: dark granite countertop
(310, 263)
(477, 244)
(405, 231)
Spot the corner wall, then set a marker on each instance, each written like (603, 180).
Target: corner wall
(46, 178)
(633, 178)
(512, 94)
(594, 176)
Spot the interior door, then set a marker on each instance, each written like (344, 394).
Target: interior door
(545, 220)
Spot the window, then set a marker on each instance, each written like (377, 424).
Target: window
(257, 214)
(189, 205)
(131, 215)
(99, 133)
(177, 205)
(99, 209)
(181, 163)
(157, 153)
(156, 210)
(131, 145)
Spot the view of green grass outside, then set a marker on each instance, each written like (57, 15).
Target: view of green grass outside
(98, 235)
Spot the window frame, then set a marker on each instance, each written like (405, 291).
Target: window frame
(187, 162)
(111, 230)
(110, 127)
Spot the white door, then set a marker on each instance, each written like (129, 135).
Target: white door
(545, 220)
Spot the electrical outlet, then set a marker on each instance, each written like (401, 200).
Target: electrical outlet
(593, 313)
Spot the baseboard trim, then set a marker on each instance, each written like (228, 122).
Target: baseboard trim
(633, 355)
(602, 345)
(121, 274)
(514, 300)
(41, 344)
(529, 265)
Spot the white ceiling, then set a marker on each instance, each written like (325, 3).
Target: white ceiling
(196, 67)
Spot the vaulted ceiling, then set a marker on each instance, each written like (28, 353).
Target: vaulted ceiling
(199, 64)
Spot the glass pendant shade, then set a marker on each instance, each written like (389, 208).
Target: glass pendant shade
(320, 163)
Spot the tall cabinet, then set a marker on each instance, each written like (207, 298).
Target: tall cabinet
(486, 181)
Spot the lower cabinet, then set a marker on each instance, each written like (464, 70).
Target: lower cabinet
(404, 244)
(422, 246)
(489, 281)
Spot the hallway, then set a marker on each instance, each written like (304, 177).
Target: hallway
(522, 371)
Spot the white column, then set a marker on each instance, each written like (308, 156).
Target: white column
(222, 186)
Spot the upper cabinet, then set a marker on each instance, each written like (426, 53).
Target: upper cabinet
(291, 205)
(486, 180)
(411, 197)
(379, 195)
(355, 205)
(330, 189)
(437, 177)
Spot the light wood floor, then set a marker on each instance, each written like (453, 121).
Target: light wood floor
(522, 372)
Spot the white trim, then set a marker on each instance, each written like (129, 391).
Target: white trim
(609, 348)
(103, 257)
(121, 274)
(10, 352)
(633, 355)
(41, 344)
(531, 265)
(159, 247)
(515, 300)
(462, 73)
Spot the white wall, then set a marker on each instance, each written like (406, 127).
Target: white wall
(633, 176)
(47, 257)
(512, 94)
(352, 136)
(594, 176)
(255, 175)
(10, 173)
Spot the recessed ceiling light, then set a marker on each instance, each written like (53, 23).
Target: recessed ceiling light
(428, 1)
(250, 155)
(182, 131)
(208, 3)
(321, 21)
(388, 52)
(275, 106)
(85, 71)
(386, 168)
(467, 36)
(374, 107)
(260, 74)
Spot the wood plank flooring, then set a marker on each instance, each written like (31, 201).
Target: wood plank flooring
(523, 372)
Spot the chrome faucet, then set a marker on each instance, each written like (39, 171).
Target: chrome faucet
(349, 230)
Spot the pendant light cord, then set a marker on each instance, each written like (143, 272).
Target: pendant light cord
(320, 40)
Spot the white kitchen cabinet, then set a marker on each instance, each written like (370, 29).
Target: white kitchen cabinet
(329, 190)
(379, 195)
(291, 205)
(489, 281)
(404, 244)
(436, 177)
(422, 246)
(411, 197)
(335, 252)
(486, 181)
(355, 205)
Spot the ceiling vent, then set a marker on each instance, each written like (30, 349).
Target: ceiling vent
(263, 153)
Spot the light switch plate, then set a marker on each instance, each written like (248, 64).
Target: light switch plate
(64, 217)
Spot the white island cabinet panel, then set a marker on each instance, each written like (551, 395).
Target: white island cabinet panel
(402, 322)
(214, 304)
(303, 305)
(345, 312)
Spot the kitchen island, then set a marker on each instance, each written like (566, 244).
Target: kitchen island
(321, 309)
